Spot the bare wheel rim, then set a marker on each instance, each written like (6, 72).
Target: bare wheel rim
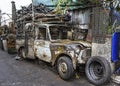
(96, 70)
(23, 53)
(63, 67)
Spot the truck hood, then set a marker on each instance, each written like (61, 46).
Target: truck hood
(68, 42)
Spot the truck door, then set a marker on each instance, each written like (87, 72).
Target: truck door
(42, 45)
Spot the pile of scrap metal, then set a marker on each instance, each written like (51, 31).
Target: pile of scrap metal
(41, 8)
(41, 13)
(11, 40)
(4, 31)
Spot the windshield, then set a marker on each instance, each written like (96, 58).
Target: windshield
(67, 33)
(60, 32)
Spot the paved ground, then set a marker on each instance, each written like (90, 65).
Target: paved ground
(30, 73)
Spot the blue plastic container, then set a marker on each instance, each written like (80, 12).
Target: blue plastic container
(115, 47)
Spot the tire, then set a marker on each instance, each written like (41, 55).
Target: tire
(98, 70)
(65, 68)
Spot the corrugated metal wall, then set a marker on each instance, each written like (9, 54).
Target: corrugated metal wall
(99, 23)
(81, 18)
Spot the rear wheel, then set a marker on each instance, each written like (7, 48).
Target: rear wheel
(98, 70)
(65, 68)
(22, 53)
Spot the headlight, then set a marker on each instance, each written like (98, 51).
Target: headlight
(75, 48)
(86, 54)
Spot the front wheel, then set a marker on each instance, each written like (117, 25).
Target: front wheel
(98, 70)
(22, 53)
(65, 68)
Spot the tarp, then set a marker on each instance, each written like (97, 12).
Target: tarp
(45, 2)
(73, 4)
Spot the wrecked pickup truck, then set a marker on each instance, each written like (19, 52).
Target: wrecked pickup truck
(54, 43)
(65, 47)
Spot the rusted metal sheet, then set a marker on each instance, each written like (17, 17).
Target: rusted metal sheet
(99, 25)
(81, 18)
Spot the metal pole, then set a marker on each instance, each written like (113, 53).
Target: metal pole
(14, 16)
(33, 18)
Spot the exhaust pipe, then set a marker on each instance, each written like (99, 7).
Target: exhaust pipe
(14, 16)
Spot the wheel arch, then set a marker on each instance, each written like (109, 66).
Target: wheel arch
(66, 55)
(21, 47)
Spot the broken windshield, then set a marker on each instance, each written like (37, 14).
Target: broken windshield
(67, 33)
(60, 32)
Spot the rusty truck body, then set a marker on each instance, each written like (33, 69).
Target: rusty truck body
(54, 43)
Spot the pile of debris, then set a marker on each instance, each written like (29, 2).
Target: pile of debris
(41, 14)
(26, 12)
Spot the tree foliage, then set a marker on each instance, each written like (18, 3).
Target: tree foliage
(59, 10)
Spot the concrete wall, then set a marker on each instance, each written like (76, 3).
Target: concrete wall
(103, 50)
